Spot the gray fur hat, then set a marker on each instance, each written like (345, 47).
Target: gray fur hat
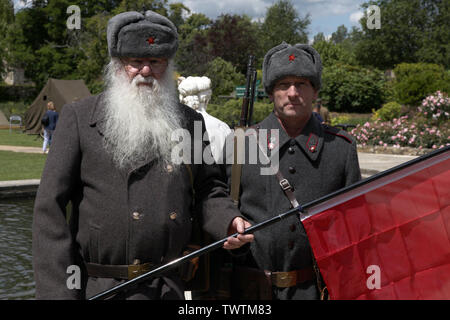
(133, 34)
(299, 60)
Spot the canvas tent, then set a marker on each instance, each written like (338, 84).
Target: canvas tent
(58, 91)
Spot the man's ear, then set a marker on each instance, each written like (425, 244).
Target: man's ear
(316, 94)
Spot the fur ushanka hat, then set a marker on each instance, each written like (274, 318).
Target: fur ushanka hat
(299, 60)
(137, 35)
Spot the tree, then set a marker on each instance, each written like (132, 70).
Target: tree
(331, 53)
(6, 19)
(176, 13)
(282, 23)
(233, 38)
(224, 77)
(411, 31)
(320, 37)
(340, 35)
(94, 47)
(193, 50)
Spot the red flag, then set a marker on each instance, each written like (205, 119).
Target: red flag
(389, 238)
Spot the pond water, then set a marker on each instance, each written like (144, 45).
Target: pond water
(16, 273)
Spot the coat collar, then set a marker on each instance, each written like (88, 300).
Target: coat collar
(310, 140)
(98, 111)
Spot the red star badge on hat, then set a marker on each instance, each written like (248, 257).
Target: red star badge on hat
(291, 57)
(151, 40)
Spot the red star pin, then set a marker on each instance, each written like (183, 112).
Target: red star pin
(291, 57)
(151, 40)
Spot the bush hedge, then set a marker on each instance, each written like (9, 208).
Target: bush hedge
(414, 81)
(352, 89)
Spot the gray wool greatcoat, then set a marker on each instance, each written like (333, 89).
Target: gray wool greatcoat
(117, 216)
(317, 162)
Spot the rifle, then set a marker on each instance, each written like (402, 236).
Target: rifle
(249, 95)
(246, 120)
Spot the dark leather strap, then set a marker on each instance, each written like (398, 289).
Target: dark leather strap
(287, 189)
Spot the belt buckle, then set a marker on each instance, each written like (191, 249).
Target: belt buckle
(284, 279)
(135, 270)
(285, 184)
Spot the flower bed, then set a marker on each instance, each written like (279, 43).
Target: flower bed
(425, 128)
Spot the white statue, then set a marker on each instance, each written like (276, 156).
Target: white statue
(196, 93)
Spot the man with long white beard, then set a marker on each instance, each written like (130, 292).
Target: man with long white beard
(131, 205)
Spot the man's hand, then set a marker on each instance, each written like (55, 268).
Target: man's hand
(238, 225)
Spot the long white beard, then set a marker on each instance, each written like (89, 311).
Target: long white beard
(139, 119)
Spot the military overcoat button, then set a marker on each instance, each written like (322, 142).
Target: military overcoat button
(169, 168)
(312, 149)
(291, 150)
(292, 170)
(136, 215)
(292, 142)
(173, 215)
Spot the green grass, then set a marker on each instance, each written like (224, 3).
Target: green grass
(17, 138)
(21, 166)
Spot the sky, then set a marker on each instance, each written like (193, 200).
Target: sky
(326, 15)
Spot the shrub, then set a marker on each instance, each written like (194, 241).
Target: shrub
(436, 107)
(414, 81)
(403, 132)
(388, 111)
(352, 89)
(224, 77)
(230, 111)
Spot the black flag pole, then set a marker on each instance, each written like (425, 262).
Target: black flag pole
(304, 212)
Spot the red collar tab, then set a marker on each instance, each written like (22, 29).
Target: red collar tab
(151, 40)
(312, 142)
(291, 57)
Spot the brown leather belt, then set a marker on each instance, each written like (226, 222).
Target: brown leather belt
(290, 278)
(126, 272)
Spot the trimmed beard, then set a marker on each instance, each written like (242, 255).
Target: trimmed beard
(140, 119)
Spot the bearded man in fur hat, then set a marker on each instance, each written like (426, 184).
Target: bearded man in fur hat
(112, 203)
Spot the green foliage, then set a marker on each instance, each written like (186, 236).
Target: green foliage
(352, 89)
(388, 111)
(331, 53)
(230, 111)
(411, 31)
(6, 19)
(193, 51)
(94, 47)
(10, 108)
(414, 81)
(282, 23)
(224, 77)
(233, 38)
